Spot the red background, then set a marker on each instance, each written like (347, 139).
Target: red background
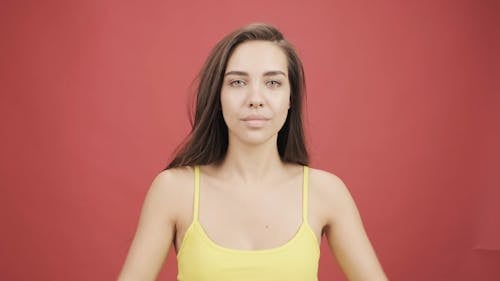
(403, 105)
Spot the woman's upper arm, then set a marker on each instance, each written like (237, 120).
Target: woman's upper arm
(155, 231)
(346, 235)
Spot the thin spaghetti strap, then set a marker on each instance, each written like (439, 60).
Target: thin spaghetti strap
(196, 192)
(305, 193)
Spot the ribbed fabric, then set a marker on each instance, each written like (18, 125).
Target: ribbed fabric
(201, 259)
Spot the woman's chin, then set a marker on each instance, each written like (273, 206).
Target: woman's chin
(255, 139)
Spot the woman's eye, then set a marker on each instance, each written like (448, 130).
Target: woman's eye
(273, 83)
(237, 83)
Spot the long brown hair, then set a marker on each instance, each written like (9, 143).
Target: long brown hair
(207, 143)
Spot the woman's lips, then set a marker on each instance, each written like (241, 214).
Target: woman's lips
(255, 121)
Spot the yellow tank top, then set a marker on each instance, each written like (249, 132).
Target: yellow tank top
(201, 259)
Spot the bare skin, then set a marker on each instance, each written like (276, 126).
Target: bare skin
(252, 200)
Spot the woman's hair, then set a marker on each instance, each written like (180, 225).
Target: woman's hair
(207, 143)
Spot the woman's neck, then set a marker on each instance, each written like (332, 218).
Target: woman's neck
(252, 163)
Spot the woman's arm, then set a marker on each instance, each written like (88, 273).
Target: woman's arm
(346, 235)
(154, 233)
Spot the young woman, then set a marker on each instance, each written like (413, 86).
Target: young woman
(238, 202)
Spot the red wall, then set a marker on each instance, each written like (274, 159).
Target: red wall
(403, 105)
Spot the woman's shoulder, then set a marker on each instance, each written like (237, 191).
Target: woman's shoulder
(327, 186)
(324, 179)
(174, 175)
(173, 184)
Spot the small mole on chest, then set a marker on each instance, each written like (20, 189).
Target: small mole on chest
(267, 227)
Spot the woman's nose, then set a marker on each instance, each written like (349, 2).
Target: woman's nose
(256, 99)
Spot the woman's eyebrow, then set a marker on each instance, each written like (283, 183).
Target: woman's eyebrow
(274, 72)
(267, 73)
(236, 72)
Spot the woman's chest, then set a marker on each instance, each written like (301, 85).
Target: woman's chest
(251, 220)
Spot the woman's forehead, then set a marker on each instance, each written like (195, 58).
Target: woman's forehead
(257, 56)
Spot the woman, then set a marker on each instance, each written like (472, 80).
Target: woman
(238, 201)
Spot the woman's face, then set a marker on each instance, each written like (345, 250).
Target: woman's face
(255, 94)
